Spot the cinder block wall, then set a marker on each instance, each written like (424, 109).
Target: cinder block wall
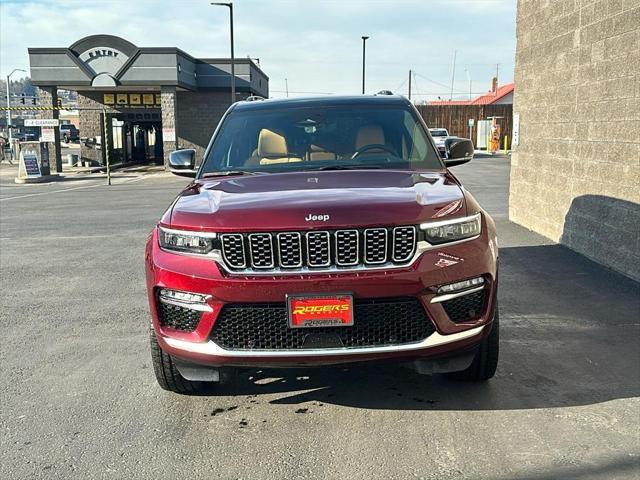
(575, 176)
(198, 114)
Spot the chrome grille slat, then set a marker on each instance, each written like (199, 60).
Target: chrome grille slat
(404, 243)
(320, 250)
(375, 245)
(347, 247)
(233, 250)
(261, 250)
(289, 250)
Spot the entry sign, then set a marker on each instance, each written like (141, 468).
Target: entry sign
(48, 135)
(41, 122)
(168, 134)
(471, 122)
(30, 162)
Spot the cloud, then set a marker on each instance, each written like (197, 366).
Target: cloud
(316, 45)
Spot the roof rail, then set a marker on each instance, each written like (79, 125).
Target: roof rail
(385, 92)
(254, 98)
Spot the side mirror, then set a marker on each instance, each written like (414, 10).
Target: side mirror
(182, 162)
(460, 151)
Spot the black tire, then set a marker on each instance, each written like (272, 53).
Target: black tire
(167, 374)
(485, 362)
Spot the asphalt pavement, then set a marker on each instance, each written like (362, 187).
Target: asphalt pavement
(80, 401)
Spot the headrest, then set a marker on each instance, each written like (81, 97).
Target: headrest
(270, 144)
(369, 135)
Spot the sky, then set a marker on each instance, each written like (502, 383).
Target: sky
(314, 44)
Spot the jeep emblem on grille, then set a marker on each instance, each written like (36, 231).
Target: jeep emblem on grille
(320, 218)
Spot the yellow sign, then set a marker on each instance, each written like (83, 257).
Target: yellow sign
(122, 99)
(134, 99)
(158, 99)
(147, 98)
(109, 99)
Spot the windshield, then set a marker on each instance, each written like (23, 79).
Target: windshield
(438, 132)
(322, 137)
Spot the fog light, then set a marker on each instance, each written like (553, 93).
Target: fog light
(463, 285)
(193, 301)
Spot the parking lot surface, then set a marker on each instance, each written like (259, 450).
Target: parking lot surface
(79, 399)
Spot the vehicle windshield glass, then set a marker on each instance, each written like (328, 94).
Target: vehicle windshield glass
(438, 133)
(321, 137)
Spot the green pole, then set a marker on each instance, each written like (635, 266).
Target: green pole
(105, 144)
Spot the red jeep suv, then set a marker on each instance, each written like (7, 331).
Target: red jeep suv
(322, 231)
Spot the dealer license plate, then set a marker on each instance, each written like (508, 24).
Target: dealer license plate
(308, 311)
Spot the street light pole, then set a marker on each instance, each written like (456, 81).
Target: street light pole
(364, 40)
(233, 72)
(9, 109)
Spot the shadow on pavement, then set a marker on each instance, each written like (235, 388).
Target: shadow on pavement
(569, 336)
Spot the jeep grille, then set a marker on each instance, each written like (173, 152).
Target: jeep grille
(317, 250)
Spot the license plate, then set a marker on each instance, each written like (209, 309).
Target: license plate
(320, 311)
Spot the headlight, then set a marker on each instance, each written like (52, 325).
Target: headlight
(452, 230)
(186, 241)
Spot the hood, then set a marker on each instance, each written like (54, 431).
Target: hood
(307, 200)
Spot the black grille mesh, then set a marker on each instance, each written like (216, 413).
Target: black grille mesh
(347, 247)
(404, 241)
(290, 249)
(318, 249)
(180, 318)
(261, 250)
(376, 323)
(465, 308)
(375, 245)
(233, 248)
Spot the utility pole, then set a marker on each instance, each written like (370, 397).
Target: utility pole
(9, 111)
(364, 40)
(233, 72)
(497, 68)
(453, 73)
(286, 87)
(409, 84)
(466, 70)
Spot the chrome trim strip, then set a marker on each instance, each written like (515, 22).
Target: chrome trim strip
(393, 245)
(335, 236)
(211, 348)
(386, 245)
(297, 265)
(440, 223)
(200, 307)
(272, 264)
(450, 296)
(328, 236)
(244, 251)
(192, 233)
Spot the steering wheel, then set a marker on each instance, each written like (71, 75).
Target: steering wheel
(379, 146)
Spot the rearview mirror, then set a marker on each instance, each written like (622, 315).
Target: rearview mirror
(182, 162)
(460, 150)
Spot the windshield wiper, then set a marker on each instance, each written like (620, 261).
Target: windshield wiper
(347, 167)
(225, 173)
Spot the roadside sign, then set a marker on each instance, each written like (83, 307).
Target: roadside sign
(29, 162)
(41, 122)
(48, 135)
(471, 122)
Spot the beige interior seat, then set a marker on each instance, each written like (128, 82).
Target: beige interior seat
(272, 149)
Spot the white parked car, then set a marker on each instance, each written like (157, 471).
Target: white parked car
(439, 136)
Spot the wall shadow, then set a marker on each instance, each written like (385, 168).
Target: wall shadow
(569, 336)
(607, 230)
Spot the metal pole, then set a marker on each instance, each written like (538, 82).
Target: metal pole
(9, 112)
(286, 86)
(9, 121)
(105, 145)
(453, 73)
(409, 84)
(364, 40)
(233, 71)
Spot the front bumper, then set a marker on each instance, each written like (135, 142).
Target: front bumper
(435, 267)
